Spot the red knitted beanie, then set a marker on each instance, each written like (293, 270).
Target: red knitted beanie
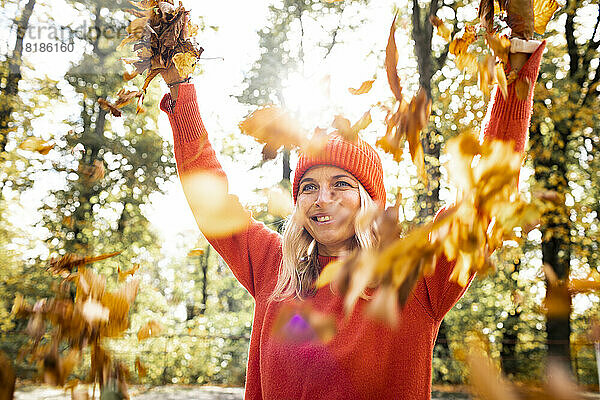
(360, 159)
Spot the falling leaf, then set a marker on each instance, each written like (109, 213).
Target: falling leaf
(109, 107)
(151, 329)
(365, 87)
(142, 371)
(69, 261)
(185, 63)
(217, 213)
(124, 274)
(499, 44)
(94, 311)
(196, 252)
(501, 79)
(441, 28)
(486, 74)
(384, 306)
(279, 202)
(522, 87)
(363, 122)
(7, 378)
(329, 273)
(275, 127)
(33, 143)
(459, 45)
(92, 173)
(391, 63)
(466, 61)
(543, 10)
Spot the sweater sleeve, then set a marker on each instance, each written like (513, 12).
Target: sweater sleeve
(507, 119)
(252, 254)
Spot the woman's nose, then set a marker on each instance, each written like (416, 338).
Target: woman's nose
(324, 196)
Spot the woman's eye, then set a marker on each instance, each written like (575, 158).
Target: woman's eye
(309, 186)
(342, 184)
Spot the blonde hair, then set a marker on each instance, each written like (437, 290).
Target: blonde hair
(299, 268)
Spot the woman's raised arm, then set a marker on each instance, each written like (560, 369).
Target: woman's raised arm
(248, 253)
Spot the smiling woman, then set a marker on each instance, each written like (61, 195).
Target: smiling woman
(305, 343)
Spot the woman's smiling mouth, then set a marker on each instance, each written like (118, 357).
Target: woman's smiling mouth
(321, 218)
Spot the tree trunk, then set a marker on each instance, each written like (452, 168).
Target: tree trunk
(508, 353)
(14, 73)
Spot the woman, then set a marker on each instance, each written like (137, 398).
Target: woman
(365, 359)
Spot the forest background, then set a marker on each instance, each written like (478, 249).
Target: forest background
(110, 184)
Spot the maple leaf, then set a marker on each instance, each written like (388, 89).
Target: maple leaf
(365, 87)
(36, 144)
(150, 329)
(391, 63)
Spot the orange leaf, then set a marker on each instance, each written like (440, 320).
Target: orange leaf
(441, 28)
(33, 143)
(151, 329)
(124, 274)
(501, 79)
(195, 252)
(391, 63)
(500, 45)
(365, 87)
(460, 45)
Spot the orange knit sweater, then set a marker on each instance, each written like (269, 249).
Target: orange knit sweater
(365, 359)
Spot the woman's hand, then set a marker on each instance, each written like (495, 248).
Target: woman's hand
(171, 75)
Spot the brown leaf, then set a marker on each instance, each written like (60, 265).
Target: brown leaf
(365, 87)
(151, 329)
(33, 143)
(69, 261)
(109, 107)
(520, 18)
(543, 10)
(142, 371)
(391, 63)
(7, 378)
(522, 88)
(441, 28)
(486, 14)
(124, 274)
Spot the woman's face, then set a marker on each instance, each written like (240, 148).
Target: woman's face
(328, 200)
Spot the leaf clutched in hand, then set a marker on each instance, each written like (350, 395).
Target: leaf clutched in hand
(185, 63)
(519, 17)
(36, 144)
(365, 87)
(217, 212)
(151, 329)
(391, 63)
(543, 10)
(442, 29)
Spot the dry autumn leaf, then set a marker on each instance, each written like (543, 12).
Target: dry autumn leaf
(217, 212)
(36, 144)
(365, 87)
(185, 63)
(275, 127)
(522, 87)
(459, 45)
(543, 10)
(68, 262)
(499, 44)
(441, 28)
(151, 329)
(124, 274)
(391, 63)
(142, 371)
(196, 252)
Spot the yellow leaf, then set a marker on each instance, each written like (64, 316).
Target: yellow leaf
(185, 63)
(195, 252)
(441, 28)
(33, 143)
(124, 274)
(151, 329)
(543, 10)
(365, 87)
(362, 123)
(329, 273)
(391, 63)
(501, 79)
